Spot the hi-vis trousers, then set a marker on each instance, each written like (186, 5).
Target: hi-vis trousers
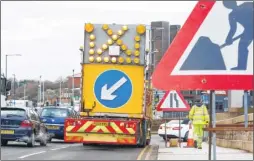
(198, 133)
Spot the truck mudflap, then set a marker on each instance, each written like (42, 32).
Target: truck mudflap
(101, 131)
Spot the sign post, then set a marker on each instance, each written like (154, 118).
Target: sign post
(245, 103)
(214, 124)
(173, 101)
(166, 137)
(180, 130)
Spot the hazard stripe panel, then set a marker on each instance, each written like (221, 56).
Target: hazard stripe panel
(100, 138)
(101, 126)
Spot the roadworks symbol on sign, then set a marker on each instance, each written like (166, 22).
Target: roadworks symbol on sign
(212, 50)
(173, 101)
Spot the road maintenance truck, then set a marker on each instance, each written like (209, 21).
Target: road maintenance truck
(116, 97)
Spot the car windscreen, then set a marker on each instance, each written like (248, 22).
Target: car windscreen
(185, 121)
(13, 112)
(54, 112)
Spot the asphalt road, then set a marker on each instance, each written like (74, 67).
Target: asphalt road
(58, 150)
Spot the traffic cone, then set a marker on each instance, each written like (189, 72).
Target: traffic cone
(190, 140)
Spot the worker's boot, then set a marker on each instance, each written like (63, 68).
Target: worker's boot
(195, 144)
(199, 147)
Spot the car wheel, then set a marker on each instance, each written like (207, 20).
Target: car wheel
(4, 142)
(31, 142)
(166, 138)
(43, 141)
(49, 140)
(186, 136)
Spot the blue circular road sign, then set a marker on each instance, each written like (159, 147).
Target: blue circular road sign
(113, 88)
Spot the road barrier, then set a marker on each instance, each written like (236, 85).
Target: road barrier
(231, 133)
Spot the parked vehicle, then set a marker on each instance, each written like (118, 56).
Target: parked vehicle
(172, 129)
(22, 124)
(54, 118)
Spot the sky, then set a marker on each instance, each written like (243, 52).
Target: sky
(49, 34)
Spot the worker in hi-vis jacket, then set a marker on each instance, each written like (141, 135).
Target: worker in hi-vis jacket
(200, 118)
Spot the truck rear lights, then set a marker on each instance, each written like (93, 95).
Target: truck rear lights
(130, 125)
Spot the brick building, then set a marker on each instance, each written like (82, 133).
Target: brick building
(77, 81)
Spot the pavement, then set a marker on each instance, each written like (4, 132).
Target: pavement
(177, 153)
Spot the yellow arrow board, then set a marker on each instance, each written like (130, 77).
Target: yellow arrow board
(114, 88)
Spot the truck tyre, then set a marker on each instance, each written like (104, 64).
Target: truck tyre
(150, 137)
(142, 143)
(89, 144)
(148, 141)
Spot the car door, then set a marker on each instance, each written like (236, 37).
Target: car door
(185, 125)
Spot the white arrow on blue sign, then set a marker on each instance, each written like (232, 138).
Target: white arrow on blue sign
(113, 88)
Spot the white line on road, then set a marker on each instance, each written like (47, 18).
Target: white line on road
(60, 148)
(24, 156)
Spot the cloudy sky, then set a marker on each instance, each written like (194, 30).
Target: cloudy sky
(48, 34)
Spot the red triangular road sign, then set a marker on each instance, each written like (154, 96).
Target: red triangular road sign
(173, 101)
(200, 58)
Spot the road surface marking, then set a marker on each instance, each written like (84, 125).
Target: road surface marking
(148, 153)
(142, 153)
(24, 156)
(60, 148)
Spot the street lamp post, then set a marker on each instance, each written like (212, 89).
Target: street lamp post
(73, 86)
(24, 91)
(6, 62)
(43, 88)
(60, 92)
(14, 89)
(40, 91)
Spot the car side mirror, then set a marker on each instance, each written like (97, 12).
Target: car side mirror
(8, 86)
